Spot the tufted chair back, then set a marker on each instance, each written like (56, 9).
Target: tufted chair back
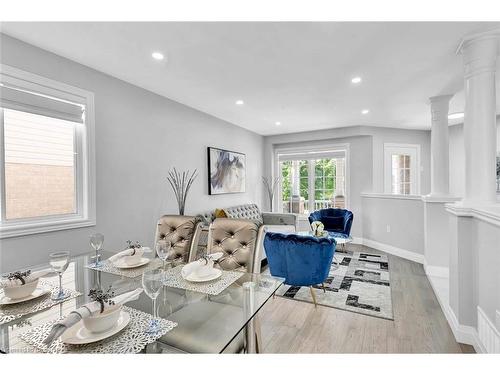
(179, 230)
(238, 240)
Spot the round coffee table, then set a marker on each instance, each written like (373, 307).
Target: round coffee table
(340, 238)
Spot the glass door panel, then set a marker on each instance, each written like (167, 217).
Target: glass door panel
(308, 185)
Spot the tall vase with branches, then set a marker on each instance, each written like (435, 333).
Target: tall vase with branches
(181, 183)
(271, 186)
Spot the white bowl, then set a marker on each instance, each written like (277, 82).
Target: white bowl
(21, 291)
(102, 322)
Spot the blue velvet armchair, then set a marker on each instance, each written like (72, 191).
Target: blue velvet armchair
(301, 260)
(335, 220)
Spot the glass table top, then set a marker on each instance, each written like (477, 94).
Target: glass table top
(340, 238)
(206, 323)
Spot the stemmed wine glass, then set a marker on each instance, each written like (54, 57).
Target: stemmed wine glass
(163, 250)
(152, 282)
(59, 262)
(96, 241)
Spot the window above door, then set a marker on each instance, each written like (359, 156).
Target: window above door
(401, 169)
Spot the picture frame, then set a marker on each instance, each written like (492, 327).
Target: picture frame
(226, 171)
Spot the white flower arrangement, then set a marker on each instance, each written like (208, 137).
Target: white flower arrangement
(318, 228)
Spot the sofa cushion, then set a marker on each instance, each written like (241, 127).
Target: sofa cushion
(333, 222)
(245, 211)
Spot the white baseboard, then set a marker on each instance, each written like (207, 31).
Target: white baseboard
(436, 271)
(484, 339)
(487, 332)
(463, 334)
(410, 255)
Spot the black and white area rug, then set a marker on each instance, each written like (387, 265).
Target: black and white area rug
(358, 282)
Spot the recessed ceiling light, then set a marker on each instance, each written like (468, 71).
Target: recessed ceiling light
(157, 56)
(356, 80)
(240, 102)
(277, 123)
(365, 111)
(453, 116)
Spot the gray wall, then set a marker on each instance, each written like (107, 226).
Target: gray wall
(139, 137)
(405, 218)
(372, 215)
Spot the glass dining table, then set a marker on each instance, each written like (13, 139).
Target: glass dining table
(224, 323)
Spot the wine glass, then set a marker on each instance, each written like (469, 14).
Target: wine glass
(163, 250)
(59, 262)
(96, 241)
(152, 282)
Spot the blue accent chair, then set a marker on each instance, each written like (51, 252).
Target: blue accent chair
(301, 260)
(336, 220)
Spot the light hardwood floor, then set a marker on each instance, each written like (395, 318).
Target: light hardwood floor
(419, 325)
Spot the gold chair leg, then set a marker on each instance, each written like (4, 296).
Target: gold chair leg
(323, 285)
(313, 295)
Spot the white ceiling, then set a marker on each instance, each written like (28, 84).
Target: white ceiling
(296, 73)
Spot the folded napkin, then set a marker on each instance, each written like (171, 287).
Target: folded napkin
(84, 311)
(201, 267)
(5, 282)
(129, 252)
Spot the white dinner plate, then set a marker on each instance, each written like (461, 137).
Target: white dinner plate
(120, 263)
(193, 277)
(38, 292)
(79, 335)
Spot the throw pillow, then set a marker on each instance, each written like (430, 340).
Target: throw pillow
(220, 213)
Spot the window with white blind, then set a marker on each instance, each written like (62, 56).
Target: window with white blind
(401, 169)
(46, 158)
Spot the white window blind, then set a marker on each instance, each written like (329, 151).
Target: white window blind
(311, 155)
(18, 99)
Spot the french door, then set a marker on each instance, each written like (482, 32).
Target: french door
(311, 181)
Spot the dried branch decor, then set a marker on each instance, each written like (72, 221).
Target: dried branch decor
(271, 186)
(181, 183)
(103, 297)
(18, 275)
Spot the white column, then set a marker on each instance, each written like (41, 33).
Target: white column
(440, 158)
(295, 178)
(479, 55)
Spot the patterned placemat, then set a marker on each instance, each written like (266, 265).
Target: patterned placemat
(107, 266)
(14, 311)
(132, 339)
(173, 278)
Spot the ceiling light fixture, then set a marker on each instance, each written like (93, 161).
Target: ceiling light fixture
(157, 56)
(277, 123)
(365, 111)
(240, 102)
(356, 80)
(453, 116)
